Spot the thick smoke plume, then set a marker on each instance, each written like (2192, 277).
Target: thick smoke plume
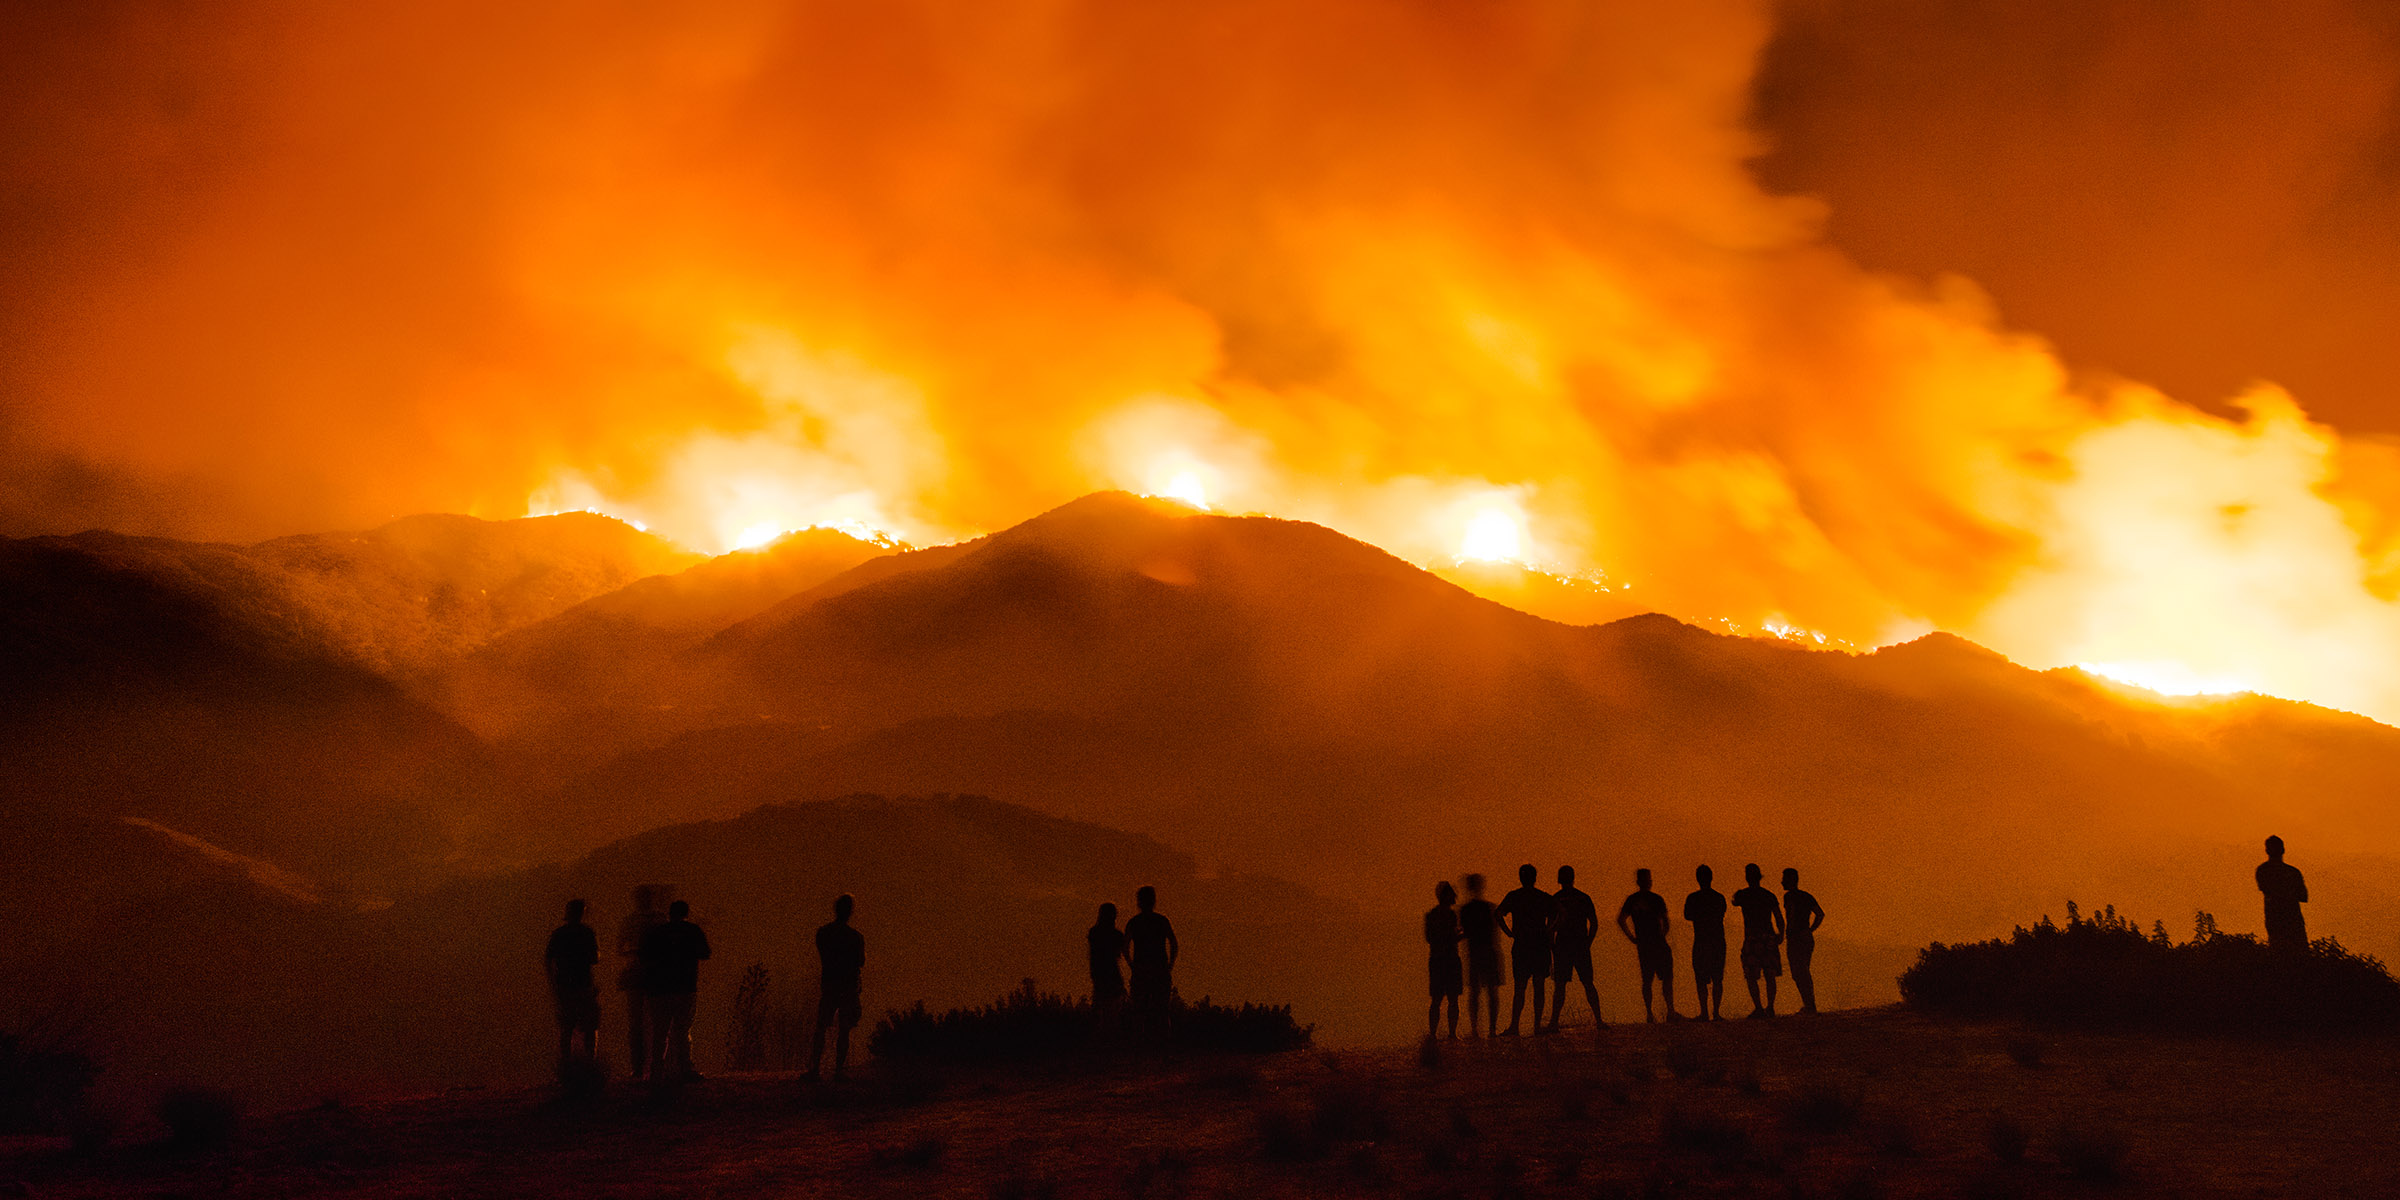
(1488, 279)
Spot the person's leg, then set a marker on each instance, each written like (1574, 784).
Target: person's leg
(1591, 996)
(637, 1034)
(1433, 1017)
(1802, 977)
(1453, 1003)
(1666, 986)
(1649, 1014)
(841, 1043)
(816, 1041)
(655, 1052)
(1750, 979)
(1768, 983)
(1516, 1006)
(679, 1035)
(1539, 978)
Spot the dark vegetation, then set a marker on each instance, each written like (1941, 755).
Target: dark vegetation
(199, 1120)
(1030, 1025)
(41, 1087)
(2105, 972)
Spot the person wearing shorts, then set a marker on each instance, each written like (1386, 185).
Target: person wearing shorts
(1525, 915)
(569, 959)
(1480, 928)
(1643, 920)
(1801, 917)
(1576, 923)
(1445, 979)
(1762, 940)
(1704, 910)
(841, 964)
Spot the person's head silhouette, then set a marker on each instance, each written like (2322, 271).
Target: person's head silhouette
(1526, 874)
(678, 911)
(574, 912)
(1566, 876)
(1753, 874)
(1444, 894)
(1108, 915)
(1791, 879)
(842, 907)
(1641, 879)
(1146, 898)
(1475, 885)
(1704, 875)
(2275, 848)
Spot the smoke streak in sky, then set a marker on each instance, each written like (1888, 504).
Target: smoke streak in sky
(1483, 279)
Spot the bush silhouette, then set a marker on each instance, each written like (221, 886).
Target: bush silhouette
(2105, 972)
(1029, 1024)
(40, 1087)
(199, 1119)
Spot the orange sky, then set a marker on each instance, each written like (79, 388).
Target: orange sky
(1413, 268)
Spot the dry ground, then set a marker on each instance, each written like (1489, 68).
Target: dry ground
(1736, 1109)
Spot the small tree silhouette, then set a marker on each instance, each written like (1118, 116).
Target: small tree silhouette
(746, 1035)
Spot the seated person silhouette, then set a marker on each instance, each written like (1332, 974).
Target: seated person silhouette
(1105, 944)
(1762, 934)
(1801, 916)
(1480, 928)
(1151, 947)
(841, 971)
(1643, 920)
(2285, 890)
(1445, 978)
(1525, 915)
(568, 960)
(1704, 909)
(1575, 922)
(671, 953)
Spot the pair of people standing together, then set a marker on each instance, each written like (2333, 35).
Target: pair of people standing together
(1148, 944)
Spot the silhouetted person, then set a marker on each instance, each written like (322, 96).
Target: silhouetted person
(1643, 920)
(1574, 923)
(1762, 939)
(1705, 911)
(841, 967)
(1151, 947)
(1480, 926)
(629, 976)
(672, 952)
(2285, 891)
(568, 960)
(1525, 915)
(1801, 916)
(1445, 978)
(1106, 945)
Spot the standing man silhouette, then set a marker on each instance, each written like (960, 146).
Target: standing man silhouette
(1151, 946)
(1525, 915)
(629, 976)
(1106, 945)
(841, 966)
(1705, 911)
(1801, 916)
(1481, 929)
(1445, 980)
(1762, 934)
(672, 952)
(2285, 891)
(1643, 920)
(568, 961)
(1576, 923)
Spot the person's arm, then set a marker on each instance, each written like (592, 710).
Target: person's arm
(1625, 921)
(2300, 882)
(702, 934)
(1504, 915)
(1776, 915)
(1174, 948)
(1816, 916)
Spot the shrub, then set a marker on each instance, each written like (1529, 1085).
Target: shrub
(1821, 1108)
(2105, 972)
(40, 1086)
(2090, 1154)
(199, 1119)
(746, 1035)
(2005, 1138)
(1029, 1024)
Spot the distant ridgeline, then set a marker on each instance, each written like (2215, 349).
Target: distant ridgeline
(2105, 972)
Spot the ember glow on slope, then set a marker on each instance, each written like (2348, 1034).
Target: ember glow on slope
(1484, 281)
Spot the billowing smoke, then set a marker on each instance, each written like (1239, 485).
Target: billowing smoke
(1481, 280)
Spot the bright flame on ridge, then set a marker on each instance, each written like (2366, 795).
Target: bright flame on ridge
(2165, 678)
(1494, 534)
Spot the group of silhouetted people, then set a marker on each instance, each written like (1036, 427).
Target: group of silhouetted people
(660, 981)
(1146, 944)
(1550, 939)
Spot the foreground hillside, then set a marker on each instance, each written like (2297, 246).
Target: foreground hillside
(1878, 1104)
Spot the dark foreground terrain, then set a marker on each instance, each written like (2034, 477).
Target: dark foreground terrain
(1867, 1104)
